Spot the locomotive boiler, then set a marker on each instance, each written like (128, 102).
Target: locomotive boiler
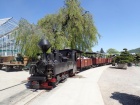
(52, 67)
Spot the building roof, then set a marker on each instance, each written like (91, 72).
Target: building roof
(2, 21)
(7, 25)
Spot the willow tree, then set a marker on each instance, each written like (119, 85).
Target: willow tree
(70, 27)
(27, 36)
(51, 25)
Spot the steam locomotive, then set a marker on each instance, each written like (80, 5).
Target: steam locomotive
(52, 67)
(58, 65)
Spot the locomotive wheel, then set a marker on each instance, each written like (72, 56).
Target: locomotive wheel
(54, 84)
(71, 74)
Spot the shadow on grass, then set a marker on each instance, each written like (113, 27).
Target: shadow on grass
(126, 99)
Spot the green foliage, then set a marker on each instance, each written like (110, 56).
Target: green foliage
(124, 57)
(52, 27)
(116, 59)
(137, 58)
(112, 51)
(71, 27)
(27, 36)
(125, 49)
(124, 61)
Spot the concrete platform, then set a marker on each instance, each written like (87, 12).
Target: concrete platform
(8, 79)
(82, 89)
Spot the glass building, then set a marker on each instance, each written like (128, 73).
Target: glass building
(7, 41)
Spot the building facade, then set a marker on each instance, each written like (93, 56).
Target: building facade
(7, 41)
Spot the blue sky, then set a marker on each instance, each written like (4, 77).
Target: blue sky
(118, 21)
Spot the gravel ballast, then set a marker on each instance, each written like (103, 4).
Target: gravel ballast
(120, 86)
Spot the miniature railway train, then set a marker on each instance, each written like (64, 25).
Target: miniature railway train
(92, 61)
(58, 65)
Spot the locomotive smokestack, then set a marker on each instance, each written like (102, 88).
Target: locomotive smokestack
(44, 45)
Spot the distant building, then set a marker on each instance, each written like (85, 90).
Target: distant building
(7, 41)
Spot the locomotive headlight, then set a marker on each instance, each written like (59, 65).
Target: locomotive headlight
(49, 75)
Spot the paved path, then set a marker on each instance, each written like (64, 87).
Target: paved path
(8, 79)
(13, 88)
(12, 83)
(79, 90)
(120, 87)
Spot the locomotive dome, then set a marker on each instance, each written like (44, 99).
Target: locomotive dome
(44, 45)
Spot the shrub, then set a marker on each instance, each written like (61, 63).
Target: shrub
(124, 61)
(124, 57)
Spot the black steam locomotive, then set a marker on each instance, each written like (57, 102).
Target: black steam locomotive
(52, 67)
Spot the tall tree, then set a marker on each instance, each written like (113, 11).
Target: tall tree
(52, 27)
(27, 36)
(112, 51)
(102, 51)
(71, 27)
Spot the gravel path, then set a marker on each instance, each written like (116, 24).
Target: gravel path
(120, 87)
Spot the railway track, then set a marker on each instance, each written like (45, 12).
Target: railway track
(22, 97)
(23, 82)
